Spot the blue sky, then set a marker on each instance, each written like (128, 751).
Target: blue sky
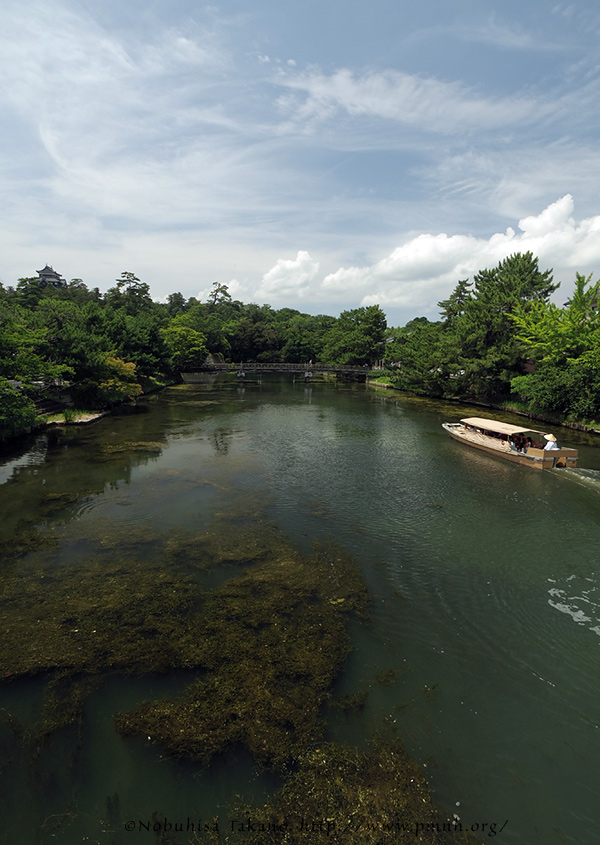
(318, 155)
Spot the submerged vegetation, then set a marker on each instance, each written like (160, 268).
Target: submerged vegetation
(259, 650)
(271, 642)
(339, 794)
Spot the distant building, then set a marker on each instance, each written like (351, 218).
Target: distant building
(49, 276)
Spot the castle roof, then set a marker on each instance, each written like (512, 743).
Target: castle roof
(49, 276)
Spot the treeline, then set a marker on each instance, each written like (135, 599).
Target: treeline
(500, 339)
(111, 347)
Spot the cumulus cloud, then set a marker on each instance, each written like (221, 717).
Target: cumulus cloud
(420, 272)
(427, 264)
(414, 272)
(289, 277)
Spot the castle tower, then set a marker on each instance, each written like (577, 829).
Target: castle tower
(49, 276)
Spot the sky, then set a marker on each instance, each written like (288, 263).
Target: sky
(314, 155)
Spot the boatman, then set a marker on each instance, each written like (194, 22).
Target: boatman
(551, 444)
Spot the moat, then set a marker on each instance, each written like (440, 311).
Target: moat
(242, 575)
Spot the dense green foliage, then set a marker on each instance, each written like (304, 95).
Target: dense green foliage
(17, 411)
(474, 351)
(565, 343)
(100, 349)
(499, 339)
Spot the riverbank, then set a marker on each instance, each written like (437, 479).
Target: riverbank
(70, 416)
(590, 428)
(75, 418)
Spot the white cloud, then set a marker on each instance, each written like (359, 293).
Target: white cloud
(508, 36)
(418, 101)
(289, 278)
(556, 216)
(415, 271)
(420, 272)
(175, 143)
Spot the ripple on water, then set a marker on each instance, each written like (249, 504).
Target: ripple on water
(589, 478)
(577, 597)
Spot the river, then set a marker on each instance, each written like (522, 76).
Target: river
(483, 646)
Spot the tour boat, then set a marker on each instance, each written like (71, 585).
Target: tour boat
(515, 443)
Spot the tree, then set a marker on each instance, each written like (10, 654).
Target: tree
(479, 343)
(176, 303)
(29, 291)
(114, 381)
(130, 293)
(565, 343)
(210, 323)
(187, 346)
(23, 341)
(219, 294)
(416, 354)
(357, 337)
(552, 333)
(303, 335)
(251, 340)
(17, 411)
(457, 303)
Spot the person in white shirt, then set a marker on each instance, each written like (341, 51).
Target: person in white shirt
(551, 444)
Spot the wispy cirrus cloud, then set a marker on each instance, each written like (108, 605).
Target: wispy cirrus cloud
(508, 36)
(181, 142)
(427, 103)
(135, 129)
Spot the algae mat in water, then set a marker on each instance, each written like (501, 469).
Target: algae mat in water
(273, 640)
(264, 646)
(341, 795)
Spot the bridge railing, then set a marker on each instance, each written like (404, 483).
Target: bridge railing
(276, 367)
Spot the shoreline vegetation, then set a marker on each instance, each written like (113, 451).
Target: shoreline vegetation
(500, 342)
(590, 428)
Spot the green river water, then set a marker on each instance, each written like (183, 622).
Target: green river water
(483, 645)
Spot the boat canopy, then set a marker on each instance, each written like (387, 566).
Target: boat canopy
(499, 427)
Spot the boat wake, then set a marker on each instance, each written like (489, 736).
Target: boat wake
(579, 600)
(589, 478)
